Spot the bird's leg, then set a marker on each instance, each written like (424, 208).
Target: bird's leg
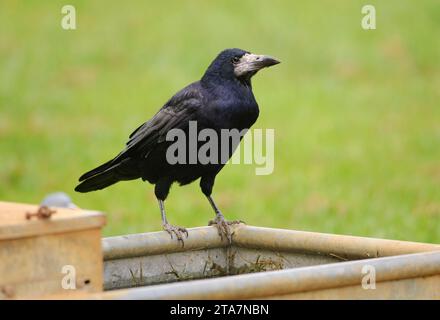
(223, 226)
(176, 230)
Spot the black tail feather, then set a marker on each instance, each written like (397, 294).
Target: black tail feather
(97, 170)
(97, 182)
(107, 174)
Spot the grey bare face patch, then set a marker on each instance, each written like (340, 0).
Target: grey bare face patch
(250, 63)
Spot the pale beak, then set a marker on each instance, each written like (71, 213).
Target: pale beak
(263, 61)
(251, 63)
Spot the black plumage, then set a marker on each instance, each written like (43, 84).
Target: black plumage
(222, 99)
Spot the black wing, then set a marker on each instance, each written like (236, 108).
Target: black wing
(176, 113)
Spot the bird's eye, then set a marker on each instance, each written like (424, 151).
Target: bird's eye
(235, 59)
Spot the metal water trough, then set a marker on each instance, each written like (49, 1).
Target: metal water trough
(268, 263)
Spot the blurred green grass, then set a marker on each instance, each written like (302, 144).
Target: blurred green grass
(356, 113)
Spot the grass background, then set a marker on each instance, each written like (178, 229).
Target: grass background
(356, 113)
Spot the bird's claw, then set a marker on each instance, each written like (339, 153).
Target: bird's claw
(177, 231)
(224, 227)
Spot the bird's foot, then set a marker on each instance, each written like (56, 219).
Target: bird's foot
(177, 231)
(224, 227)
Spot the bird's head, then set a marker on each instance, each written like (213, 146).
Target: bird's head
(238, 64)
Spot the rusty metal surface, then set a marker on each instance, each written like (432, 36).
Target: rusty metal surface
(289, 281)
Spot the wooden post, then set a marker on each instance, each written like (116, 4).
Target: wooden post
(44, 254)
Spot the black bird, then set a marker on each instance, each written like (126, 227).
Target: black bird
(222, 99)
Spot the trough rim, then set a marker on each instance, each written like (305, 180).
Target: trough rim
(344, 247)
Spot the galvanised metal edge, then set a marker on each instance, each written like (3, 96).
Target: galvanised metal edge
(141, 244)
(136, 245)
(323, 243)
